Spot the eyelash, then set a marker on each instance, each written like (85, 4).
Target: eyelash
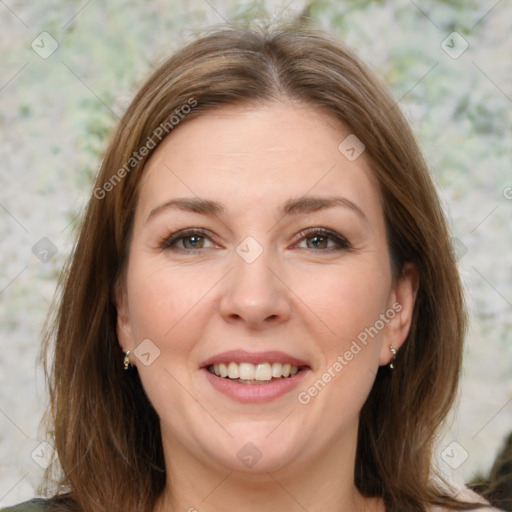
(168, 242)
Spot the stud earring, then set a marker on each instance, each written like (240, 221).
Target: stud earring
(393, 351)
(126, 360)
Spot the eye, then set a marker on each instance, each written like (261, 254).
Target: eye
(319, 238)
(186, 240)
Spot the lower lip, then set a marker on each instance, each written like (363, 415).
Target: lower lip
(255, 393)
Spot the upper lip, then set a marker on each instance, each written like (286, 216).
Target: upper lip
(242, 356)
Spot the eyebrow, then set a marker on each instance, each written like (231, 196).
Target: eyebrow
(301, 205)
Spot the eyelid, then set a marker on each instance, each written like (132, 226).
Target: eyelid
(167, 241)
(339, 239)
(341, 242)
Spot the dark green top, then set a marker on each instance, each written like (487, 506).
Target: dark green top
(34, 505)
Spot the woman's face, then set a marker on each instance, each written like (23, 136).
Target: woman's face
(259, 249)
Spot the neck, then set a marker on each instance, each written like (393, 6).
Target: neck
(325, 485)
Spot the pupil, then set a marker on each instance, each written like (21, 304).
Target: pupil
(318, 241)
(194, 240)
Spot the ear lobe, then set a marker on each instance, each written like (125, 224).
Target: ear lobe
(123, 329)
(403, 299)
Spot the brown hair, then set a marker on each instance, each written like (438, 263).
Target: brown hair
(106, 433)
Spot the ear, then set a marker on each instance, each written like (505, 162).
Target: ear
(400, 312)
(123, 326)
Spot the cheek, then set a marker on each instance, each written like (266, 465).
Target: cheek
(165, 308)
(163, 300)
(345, 301)
(347, 304)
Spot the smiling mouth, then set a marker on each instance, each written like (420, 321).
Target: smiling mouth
(248, 373)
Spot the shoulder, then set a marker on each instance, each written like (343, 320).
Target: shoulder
(466, 494)
(28, 506)
(471, 496)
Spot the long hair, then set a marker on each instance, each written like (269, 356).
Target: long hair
(105, 431)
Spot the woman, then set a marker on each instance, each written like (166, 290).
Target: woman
(263, 310)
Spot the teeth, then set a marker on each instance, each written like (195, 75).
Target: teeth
(246, 371)
(250, 373)
(223, 368)
(233, 371)
(263, 371)
(277, 370)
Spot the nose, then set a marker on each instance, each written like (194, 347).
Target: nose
(255, 294)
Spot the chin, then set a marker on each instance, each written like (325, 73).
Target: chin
(252, 453)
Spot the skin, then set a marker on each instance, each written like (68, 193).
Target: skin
(310, 300)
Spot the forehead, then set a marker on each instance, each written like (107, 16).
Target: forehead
(257, 156)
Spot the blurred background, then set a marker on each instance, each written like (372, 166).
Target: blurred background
(68, 70)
